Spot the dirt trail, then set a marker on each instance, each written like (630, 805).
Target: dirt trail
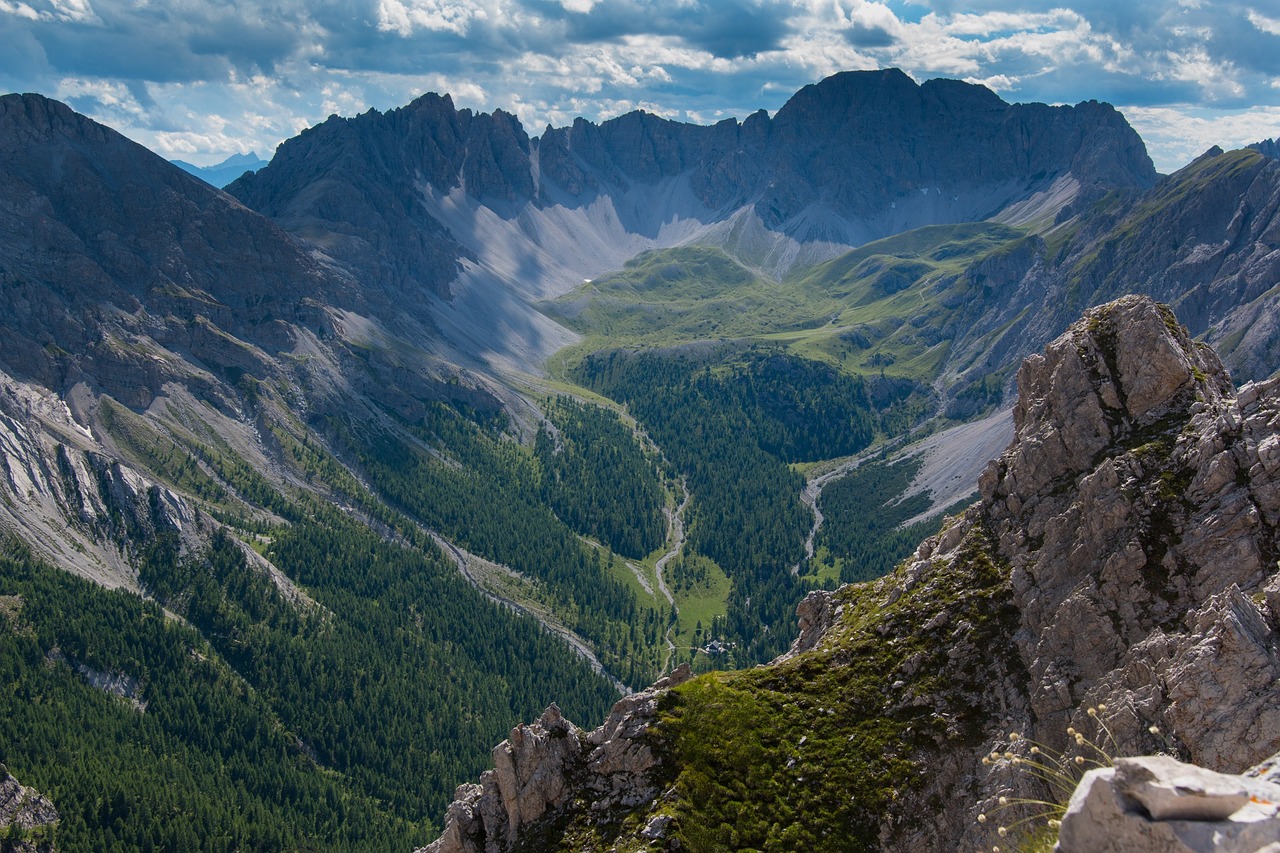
(676, 520)
(677, 544)
(813, 491)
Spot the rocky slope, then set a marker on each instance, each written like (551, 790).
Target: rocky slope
(26, 816)
(466, 207)
(1123, 558)
(127, 281)
(1205, 240)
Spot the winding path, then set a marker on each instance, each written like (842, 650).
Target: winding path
(677, 530)
(677, 544)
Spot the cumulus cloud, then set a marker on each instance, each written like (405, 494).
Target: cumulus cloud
(1176, 136)
(248, 74)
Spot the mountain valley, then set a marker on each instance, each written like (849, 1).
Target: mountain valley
(428, 425)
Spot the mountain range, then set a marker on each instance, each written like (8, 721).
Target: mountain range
(445, 204)
(428, 413)
(221, 174)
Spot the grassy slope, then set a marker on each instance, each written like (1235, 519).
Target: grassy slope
(807, 754)
(863, 311)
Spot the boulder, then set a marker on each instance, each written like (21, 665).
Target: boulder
(1156, 804)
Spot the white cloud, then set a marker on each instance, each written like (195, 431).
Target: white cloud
(22, 10)
(1176, 135)
(78, 11)
(1270, 26)
(407, 16)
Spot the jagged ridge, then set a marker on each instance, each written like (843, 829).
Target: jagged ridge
(433, 202)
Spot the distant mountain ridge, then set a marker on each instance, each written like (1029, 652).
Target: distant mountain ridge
(465, 208)
(221, 174)
(1268, 148)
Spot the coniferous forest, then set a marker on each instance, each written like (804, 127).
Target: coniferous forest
(730, 421)
(259, 722)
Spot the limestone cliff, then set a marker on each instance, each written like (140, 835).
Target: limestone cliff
(1122, 556)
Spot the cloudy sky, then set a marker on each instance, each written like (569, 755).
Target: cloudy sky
(201, 79)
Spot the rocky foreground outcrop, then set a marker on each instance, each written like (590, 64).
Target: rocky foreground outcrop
(1123, 557)
(1156, 804)
(548, 766)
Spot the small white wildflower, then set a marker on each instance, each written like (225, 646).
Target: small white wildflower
(1016, 760)
(1092, 712)
(1079, 740)
(1002, 831)
(1155, 730)
(986, 761)
(1054, 823)
(1035, 750)
(1013, 736)
(1004, 801)
(1071, 731)
(982, 818)
(1080, 759)
(1101, 707)
(1008, 755)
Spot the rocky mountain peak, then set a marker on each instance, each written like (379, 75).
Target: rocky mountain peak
(1126, 368)
(108, 242)
(411, 198)
(1137, 508)
(1268, 148)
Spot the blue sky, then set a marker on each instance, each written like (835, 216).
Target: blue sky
(201, 79)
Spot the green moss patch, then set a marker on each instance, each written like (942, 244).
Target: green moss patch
(811, 753)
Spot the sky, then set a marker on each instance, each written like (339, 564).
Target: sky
(199, 80)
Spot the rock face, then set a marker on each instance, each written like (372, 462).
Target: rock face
(1268, 148)
(1205, 240)
(1122, 558)
(544, 767)
(1137, 510)
(1160, 805)
(25, 815)
(123, 277)
(1138, 500)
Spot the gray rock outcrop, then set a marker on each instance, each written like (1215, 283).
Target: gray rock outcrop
(1157, 804)
(545, 766)
(1139, 499)
(26, 814)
